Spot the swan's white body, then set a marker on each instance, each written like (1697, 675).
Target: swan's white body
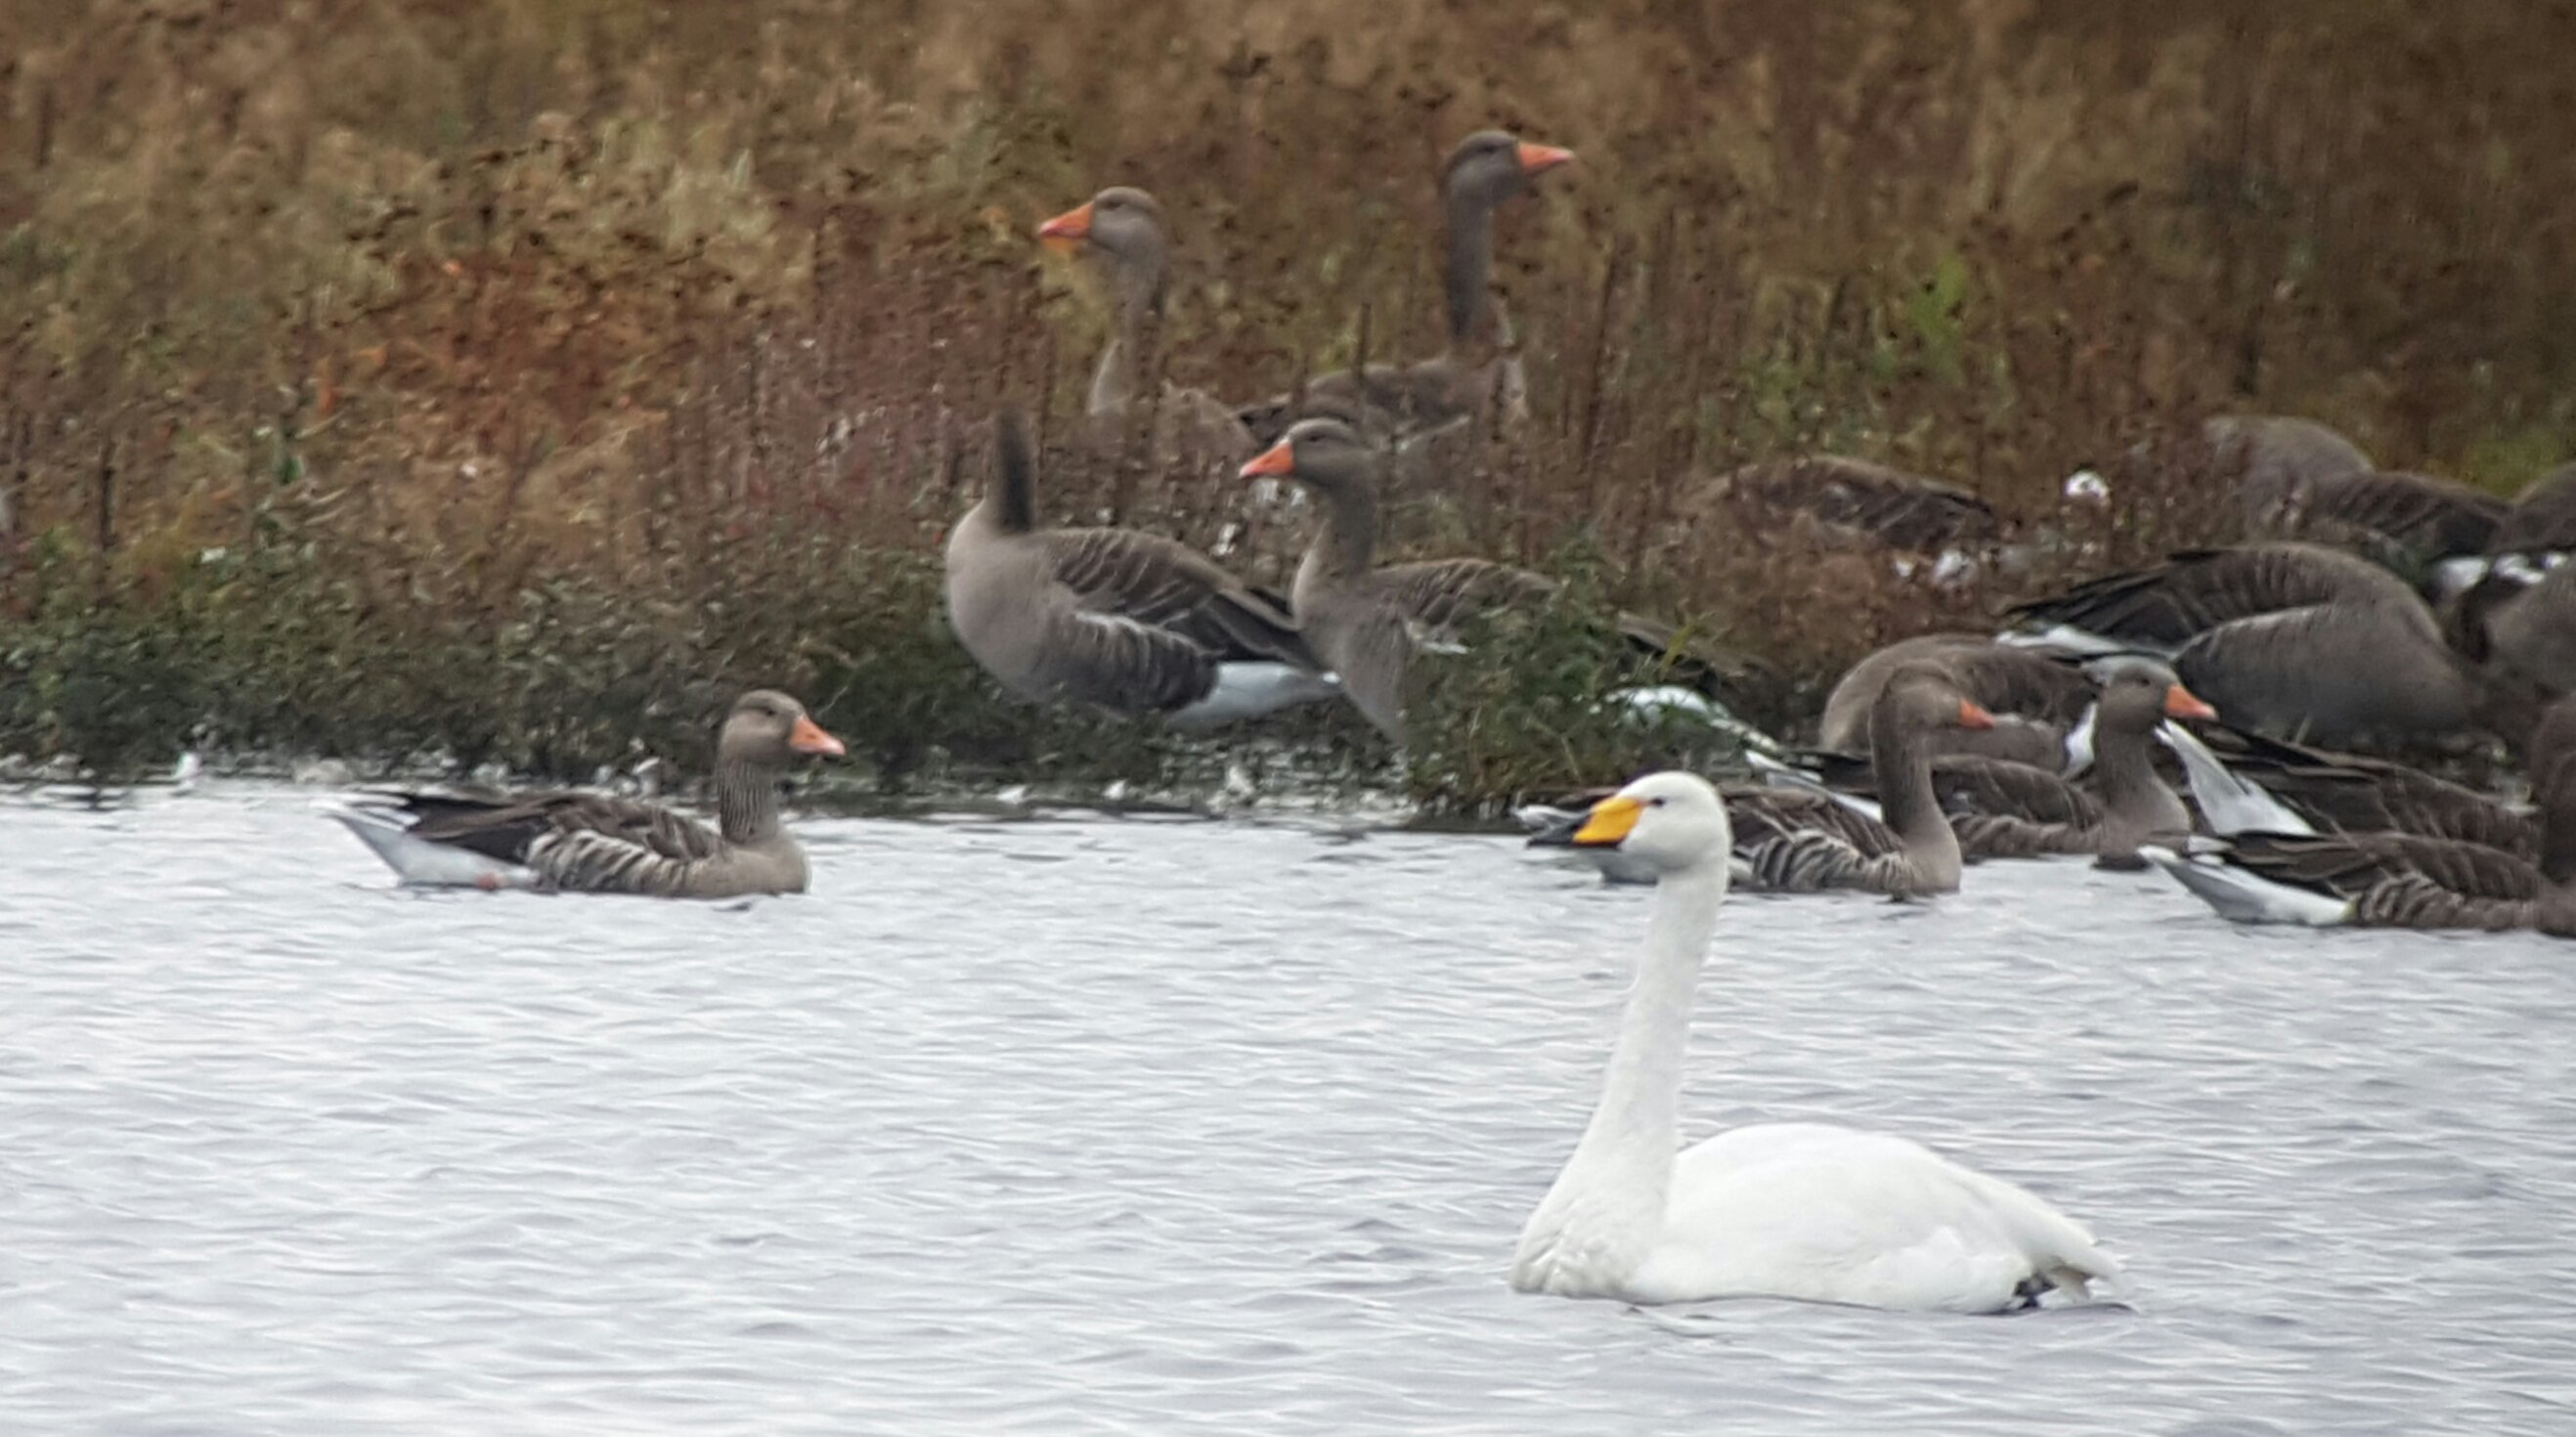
(1808, 1211)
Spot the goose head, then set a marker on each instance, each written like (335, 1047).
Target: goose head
(1491, 166)
(1921, 698)
(1120, 229)
(1326, 455)
(1671, 822)
(771, 730)
(2139, 693)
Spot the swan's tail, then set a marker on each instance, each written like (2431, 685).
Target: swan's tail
(421, 862)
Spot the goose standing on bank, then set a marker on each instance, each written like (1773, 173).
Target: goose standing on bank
(1364, 622)
(2403, 880)
(1807, 1211)
(1797, 841)
(1121, 230)
(2009, 810)
(2294, 639)
(1397, 402)
(593, 843)
(1133, 623)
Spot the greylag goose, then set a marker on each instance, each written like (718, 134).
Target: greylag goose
(1854, 503)
(1401, 401)
(2245, 782)
(1133, 623)
(2041, 701)
(1366, 622)
(2543, 517)
(2270, 456)
(2413, 520)
(1812, 1212)
(2010, 810)
(2405, 880)
(2292, 639)
(2526, 624)
(594, 843)
(1798, 841)
(1121, 230)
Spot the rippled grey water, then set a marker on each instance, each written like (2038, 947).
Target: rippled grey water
(1150, 1126)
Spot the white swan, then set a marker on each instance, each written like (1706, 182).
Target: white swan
(1795, 1210)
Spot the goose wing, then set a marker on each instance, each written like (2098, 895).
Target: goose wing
(2199, 589)
(1792, 841)
(1120, 574)
(2426, 517)
(1900, 510)
(2352, 865)
(508, 828)
(2351, 793)
(2543, 517)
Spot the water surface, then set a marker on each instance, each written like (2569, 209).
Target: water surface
(1161, 1126)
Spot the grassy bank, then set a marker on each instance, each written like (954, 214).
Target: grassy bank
(515, 379)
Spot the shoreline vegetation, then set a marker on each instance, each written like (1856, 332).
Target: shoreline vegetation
(513, 381)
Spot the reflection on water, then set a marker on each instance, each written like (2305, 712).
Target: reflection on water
(1164, 1126)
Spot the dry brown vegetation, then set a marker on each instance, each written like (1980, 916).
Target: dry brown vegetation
(518, 376)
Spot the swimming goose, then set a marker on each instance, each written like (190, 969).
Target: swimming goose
(594, 843)
(1121, 231)
(2296, 789)
(2403, 880)
(1131, 622)
(1366, 622)
(2292, 639)
(2041, 701)
(1796, 841)
(2009, 810)
(1812, 1212)
(1400, 401)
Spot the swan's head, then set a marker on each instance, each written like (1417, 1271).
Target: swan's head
(1325, 454)
(1672, 821)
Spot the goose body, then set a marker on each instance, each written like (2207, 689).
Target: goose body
(1855, 503)
(2286, 638)
(1807, 1211)
(2297, 789)
(1129, 622)
(594, 843)
(2405, 880)
(2542, 519)
(1367, 622)
(1397, 403)
(2007, 810)
(1793, 841)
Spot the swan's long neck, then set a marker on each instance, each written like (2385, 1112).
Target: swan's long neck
(1606, 1210)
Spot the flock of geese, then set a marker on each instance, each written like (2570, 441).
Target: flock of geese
(2365, 608)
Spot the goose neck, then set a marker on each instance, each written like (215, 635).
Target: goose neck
(746, 800)
(1346, 547)
(1469, 269)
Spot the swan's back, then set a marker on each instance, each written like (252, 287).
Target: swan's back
(1823, 1213)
